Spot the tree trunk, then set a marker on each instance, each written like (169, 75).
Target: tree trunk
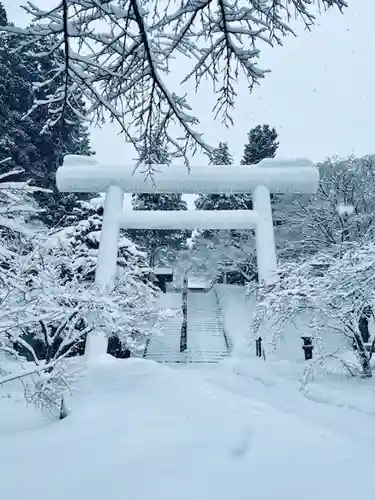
(363, 323)
(363, 356)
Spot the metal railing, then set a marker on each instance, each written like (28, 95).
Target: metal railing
(183, 338)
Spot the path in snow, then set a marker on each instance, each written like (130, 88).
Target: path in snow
(189, 436)
(206, 341)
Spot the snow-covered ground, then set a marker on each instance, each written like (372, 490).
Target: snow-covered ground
(238, 429)
(236, 310)
(242, 428)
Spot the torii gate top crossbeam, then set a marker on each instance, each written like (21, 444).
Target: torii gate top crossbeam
(296, 176)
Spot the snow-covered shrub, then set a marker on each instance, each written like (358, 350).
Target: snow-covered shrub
(47, 317)
(81, 240)
(338, 294)
(79, 243)
(17, 208)
(50, 303)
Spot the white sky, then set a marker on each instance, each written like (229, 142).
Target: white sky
(320, 95)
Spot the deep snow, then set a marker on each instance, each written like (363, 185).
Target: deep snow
(236, 309)
(141, 430)
(242, 428)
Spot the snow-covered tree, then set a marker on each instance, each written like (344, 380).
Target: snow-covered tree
(162, 244)
(337, 294)
(81, 240)
(39, 155)
(18, 236)
(49, 301)
(340, 213)
(262, 143)
(48, 315)
(210, 255)
(3, 15)
(220, 156)
(17, 208)
(120, 70)
(227, 249)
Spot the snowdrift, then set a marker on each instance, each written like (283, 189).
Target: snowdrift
(141, 431)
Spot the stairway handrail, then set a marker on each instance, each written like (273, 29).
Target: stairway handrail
(183, 338)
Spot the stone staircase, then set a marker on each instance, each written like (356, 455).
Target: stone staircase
(165, 348)
(206, 341)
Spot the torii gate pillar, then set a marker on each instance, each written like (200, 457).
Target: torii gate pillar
(265, 238)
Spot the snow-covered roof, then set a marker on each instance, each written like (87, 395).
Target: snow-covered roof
(162, 271)
(197, 283)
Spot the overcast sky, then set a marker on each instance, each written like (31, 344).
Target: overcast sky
(320, 95)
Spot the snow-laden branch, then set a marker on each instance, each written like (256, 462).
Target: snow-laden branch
(337, 292)
(26, 373)
(340, 213)
(49, 307)
(117, 54)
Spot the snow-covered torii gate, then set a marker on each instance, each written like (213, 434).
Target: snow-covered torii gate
(83, 174)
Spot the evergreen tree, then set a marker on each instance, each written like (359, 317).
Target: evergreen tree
(22, 138)
(221, 156)
(68, 136)
(81, 240)
(3, 15)
(160, 243)
(262, 143)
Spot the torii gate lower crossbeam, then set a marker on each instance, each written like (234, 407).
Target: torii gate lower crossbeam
(84, 174)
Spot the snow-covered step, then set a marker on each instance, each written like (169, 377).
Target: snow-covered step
(205, 336)
(165, 347)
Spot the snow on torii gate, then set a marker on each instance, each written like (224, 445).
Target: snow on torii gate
(81, 174)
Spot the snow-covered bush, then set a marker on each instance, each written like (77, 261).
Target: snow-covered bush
(79, 243)
(81, 240)
(17, 208)
(338, 294)
(50, 303)
(48, 315)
